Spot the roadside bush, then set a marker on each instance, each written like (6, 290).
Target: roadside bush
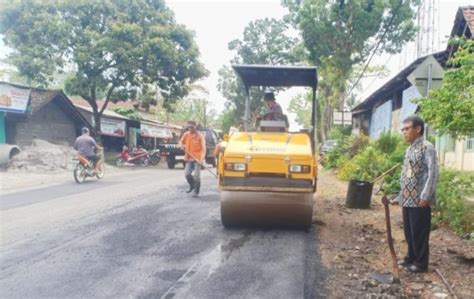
(394, 147)
(337, 155)
(452, 189)
(388, 142)
(347, 147)
(356, 144)
(339, 132)
(365, 166)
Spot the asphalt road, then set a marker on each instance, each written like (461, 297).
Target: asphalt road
(138, 235)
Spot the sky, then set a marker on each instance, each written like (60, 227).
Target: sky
(216, 22)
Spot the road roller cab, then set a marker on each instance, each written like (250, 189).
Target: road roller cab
(267, 176)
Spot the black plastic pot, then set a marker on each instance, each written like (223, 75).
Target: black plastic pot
(359, 194)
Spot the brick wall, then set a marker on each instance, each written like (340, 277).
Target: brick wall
(49, 123)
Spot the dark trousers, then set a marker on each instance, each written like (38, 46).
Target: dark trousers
(417, 226)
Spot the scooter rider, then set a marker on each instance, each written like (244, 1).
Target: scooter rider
(86, 147)
(195, 151)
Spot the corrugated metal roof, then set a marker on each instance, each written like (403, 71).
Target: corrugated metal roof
(397, 80)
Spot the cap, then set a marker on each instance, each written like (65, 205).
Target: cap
(191, 123)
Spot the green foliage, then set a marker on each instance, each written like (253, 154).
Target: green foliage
(451, 107)
(338, 154)
(356, 157)
(339, 132)
(387, 142)
(452, 189)
(346, 148)
(113, 47)
(127, 112)
(365, 166)
(340, 35)
(264, 42)
(301, 105)
(356, 144)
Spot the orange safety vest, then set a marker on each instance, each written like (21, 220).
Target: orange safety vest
(194, 144)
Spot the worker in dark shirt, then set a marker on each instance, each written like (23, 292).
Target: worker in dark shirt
(271, 104)
(86, 146)
(273, 110)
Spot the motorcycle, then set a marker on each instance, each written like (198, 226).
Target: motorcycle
(85, 168)
(155, 156)
(139, 156)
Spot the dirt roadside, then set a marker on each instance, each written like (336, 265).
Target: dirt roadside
(354, 244)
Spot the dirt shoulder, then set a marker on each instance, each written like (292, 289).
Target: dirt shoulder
(354, 245)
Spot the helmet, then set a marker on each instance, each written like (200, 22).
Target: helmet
(85, 130)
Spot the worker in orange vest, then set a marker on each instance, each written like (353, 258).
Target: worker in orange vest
(194, 146)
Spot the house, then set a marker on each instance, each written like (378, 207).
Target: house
(458, 153)
(388, 106)
(28, 112)
(115, 129)
(146, 131)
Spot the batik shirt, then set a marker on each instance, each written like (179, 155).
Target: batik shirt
(419, 174)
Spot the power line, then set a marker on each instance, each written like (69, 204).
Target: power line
(375, 49)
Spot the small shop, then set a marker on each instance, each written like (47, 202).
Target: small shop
(12, 100)
(116, 130)
(28, 113)
(153, 133)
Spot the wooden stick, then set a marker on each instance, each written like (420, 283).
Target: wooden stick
(199, 162)
(385, 173)
(396, 273)
(446, 283)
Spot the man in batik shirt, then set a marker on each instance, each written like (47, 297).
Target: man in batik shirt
(417, 194)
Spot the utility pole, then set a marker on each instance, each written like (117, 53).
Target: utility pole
(427, 21)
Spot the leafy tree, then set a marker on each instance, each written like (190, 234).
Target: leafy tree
(450, 109)
(264, 42)
(339, 35)
(127, 112)
(301, 106)
(114, 47)
(195, 106)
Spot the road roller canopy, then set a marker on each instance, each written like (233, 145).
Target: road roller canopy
(284, 76)
(278, 76)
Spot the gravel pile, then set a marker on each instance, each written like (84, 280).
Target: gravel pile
(43, 156)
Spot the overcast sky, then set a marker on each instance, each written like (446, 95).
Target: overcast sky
(216, 22)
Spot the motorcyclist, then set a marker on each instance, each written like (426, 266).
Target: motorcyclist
(86, 146)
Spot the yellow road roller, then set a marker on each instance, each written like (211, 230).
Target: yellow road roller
(267, 175)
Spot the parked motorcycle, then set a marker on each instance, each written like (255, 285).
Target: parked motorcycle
(85, 168)
(155, 157)
(138, 156)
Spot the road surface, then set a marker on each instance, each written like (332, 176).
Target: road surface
(137, 234)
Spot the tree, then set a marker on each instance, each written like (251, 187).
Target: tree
(113, 47)
(450, 109)
(264, 42)
(301, 106)
(339, 35)
(195, 106)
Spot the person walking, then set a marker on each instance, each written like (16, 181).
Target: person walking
(194, 146)
(417, 193)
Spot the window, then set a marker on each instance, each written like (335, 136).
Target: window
(470, 143)
(447, 143)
